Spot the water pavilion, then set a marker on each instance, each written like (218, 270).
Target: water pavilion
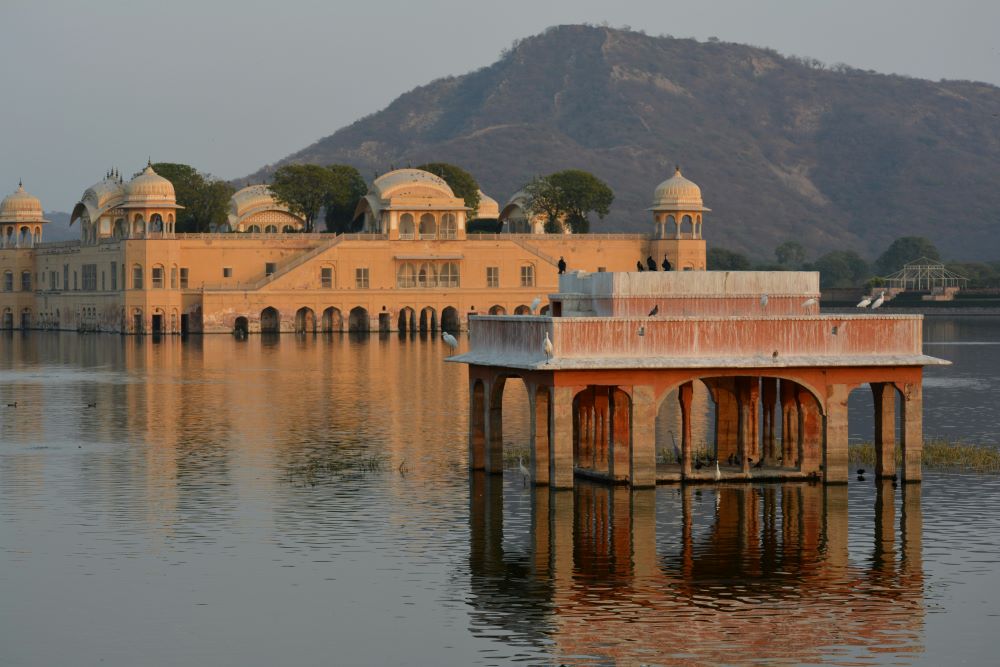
(616, 345)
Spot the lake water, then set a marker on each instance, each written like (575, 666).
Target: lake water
(305, 501)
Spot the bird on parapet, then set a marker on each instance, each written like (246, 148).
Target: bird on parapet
(655, 310)
(864, 303)
(810, 302)
(547, 346)
(763, 301)
(879, 301)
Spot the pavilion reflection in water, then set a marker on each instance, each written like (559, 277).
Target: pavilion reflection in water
(740, 573)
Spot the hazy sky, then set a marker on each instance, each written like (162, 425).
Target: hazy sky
(231, 85)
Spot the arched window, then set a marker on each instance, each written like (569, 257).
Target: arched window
(173, 277)
(155, 223)
(254, 229)
(8, 281)
(120, 230)
(448, 226)
(449, 275)
(137, 276)
(427, 276)
(287, 229)
(271, 229)
(687, 225)
(406, 276)
(406, 226)
(428, 228)
(138, 226)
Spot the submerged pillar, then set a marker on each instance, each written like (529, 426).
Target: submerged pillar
(494, 428)
(477, 426)
(539, 433)
(913, 432)
(789, 425)
(561, 464)
(685, 393)
(835, 465)
(884, 395)
(768, 399)
(643, 460)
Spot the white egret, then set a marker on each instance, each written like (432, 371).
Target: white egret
(524, 470)
(449, 340)
(547, 346)
(537, 301)
(718, 473)
(879, 301)
(810, 302)
(763, 301)
(864, 303)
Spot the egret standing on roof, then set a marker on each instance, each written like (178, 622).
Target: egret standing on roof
(810, 302)
(879, 301)
(547, 346)
(763, 301)
(449, 340)
(864, 303)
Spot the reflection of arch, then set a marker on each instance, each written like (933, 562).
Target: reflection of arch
(270, 320)
(406, 226)
(305, 321)
(498, 310)
(428, 319)
(332, 320)
(428, 227)
(450, 321)
(358, 320)
(522, 310)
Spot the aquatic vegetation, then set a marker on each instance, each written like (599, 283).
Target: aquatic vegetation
(939, 454)
(310, 472)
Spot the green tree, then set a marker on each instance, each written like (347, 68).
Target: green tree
(205, 199)
(304, 189)
(841, 268)
(566, 197)
(460, 181)
(342, 199)
(905, 249)
(721, 259)
(790, 253)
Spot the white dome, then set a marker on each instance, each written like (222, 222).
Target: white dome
(677, 194)
(21, 207)
(149, 189)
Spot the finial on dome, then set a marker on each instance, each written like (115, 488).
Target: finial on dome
(20, 185)
(677, 169)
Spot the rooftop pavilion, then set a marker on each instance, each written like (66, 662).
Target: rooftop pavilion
(777, 372)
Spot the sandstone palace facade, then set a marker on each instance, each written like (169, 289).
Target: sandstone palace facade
(413, 268)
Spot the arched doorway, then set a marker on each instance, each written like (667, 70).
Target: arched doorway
(522, 310)
(450, 321)
(602, 428)
(498, 310)
(407, 320)
(428, 319)
(332, 320)
(158, 322)
(270, 320)
(242, 327)
(358, 320)
(305, 321)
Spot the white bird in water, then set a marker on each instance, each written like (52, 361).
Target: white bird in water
(547, 346)
(718, 473)
(524, 470)
(535, 303)
(449, 340)
(763, 301)
(879, 301)
(810, 302)
(864, 303)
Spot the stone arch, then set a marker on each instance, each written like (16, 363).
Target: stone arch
(305, 320)
(522, 310)
(271, 229)
(686, 227)
(602, 431)
(428, 226)
(332, 320)
(120, 229)
(287, 229)
(406, 226)
(450, 320)
(498, 310)
(428, 319)
(138, 225)
(8, 319)
(545, 310)
(671, 227)
(407, 319)
(270, 320)
(24, 237)
(253, 229)
(358, 320)
(155, 223)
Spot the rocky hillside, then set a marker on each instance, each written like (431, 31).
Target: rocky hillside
(783, 148)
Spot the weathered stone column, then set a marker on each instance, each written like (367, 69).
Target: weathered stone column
(561, 465)
(727, 418)
(747, 396)
(494, 428)
(913, 432)
(540, 409)
(810, 431)
(884, 395)
(477, 424)
(621, 436)
(769, 398)
(602, 427)
(684, 395)
(835, 466)
(789, 425)
(643, 463)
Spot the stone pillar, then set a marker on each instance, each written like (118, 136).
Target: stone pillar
(789, 425)
(913, 432)
(769, 398)
(835, 465)
(540, 408)
(884, 395)
(684, 395)
(643, 462)
(494, 428)
(747, 398)
(727, 419)
(477, 425)
(621, 436)
(601, 429)
(810, 431)
(561, 463)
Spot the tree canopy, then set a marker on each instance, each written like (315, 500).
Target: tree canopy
(205, 199)
(903, 250)
(346, 188)
(721, 259)
(566, 197)
(790, 254)
(841, 268)
(459, 180)
(304, 189)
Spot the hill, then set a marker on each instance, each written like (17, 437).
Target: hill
(783, 148)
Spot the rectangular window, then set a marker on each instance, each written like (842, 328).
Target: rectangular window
(269, 268)
(493, 276)
(227, 272)
(184, 278)
(136, 277)
(75, 283)
(103, 283)
(326, 277)
(89, 277)
(173, 277)
(65, 281)
(8, 281)
(361, 278)
(53, 280)
(602, 269)
(527, 276)
(157, 277)
(114, 276)
(26, 281)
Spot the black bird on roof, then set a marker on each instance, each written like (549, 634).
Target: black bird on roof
(655, 310)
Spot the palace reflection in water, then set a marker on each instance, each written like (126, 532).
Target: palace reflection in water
(185, 470)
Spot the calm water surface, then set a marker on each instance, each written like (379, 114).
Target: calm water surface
(305, 501)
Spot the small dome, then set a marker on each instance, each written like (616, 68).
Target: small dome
(677, 194)
(488, 206)
(21, 207)
(149, 188)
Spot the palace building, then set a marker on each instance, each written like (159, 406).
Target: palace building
(414, 266)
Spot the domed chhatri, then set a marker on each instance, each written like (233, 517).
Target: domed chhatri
(677, 214)
(20, 207)
(254, 209)
(149, 188)
(677, 193)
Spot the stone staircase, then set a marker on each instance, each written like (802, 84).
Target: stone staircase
(298, 261)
